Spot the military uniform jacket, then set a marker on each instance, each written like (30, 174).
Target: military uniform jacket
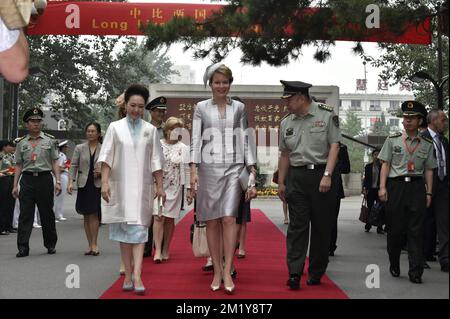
(6, 161)
(43, 148)
(308, 139)
(394, 151)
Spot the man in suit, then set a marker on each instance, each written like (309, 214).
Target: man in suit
(371, 185)
(436, 220)
(342, 167)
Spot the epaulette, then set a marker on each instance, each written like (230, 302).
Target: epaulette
(284, 117)
(325, 107)
(18, 139)
(397, 134)
(48, 135)
(426, 138)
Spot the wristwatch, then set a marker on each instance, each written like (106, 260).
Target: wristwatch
(327, 174)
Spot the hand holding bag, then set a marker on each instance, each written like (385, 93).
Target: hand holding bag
(364, 214)
(199, 241)
(377, 214)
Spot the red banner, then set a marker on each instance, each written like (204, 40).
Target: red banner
(111, 18)
(116, 18)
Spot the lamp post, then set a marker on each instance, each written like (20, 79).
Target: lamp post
(14, 98)
(421, 76)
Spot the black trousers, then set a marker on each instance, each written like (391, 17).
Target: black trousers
(334, 227)
(405, 214)
(36, 190)
(439, 210)
(7, 202)
(307, 206)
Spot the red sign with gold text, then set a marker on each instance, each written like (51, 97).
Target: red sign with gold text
(111, 18)
(119, 18)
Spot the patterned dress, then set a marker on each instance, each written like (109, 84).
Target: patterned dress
(176, 168)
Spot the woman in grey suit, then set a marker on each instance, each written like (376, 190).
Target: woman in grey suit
(219, 154)
(87, 176)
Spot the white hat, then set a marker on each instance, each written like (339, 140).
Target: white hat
(210, 71)
(63, 143)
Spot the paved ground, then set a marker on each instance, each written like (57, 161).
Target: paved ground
(44, 276)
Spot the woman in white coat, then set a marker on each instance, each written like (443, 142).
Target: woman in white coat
(131, 159)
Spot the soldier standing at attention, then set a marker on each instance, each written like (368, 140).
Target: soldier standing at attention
(309, 146)
(36, 157)
(157, 108)
(407, 158)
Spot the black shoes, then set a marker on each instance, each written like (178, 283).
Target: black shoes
(426, 266)
(395, 271)
(313, 282)
(208, 268)
(415, 279)
(22, 253)
(380, 230)
(51, 251)
(293, 282)
(444, 267)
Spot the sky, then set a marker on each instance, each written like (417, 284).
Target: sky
(341, 70)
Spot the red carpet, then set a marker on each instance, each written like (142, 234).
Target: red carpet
(261, 275)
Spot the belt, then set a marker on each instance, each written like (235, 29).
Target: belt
(36, 173)
(311, 166)
(407, 179)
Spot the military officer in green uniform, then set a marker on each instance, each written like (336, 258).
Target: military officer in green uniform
(309, 146)
(6, 184)
(36, 157)
(406, 181)
(157, 108)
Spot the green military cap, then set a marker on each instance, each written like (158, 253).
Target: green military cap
(294, 87)
(159, 103)
(413, 108)
(33, 114)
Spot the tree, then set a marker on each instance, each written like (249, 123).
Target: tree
(399, 62)
(85, 75)
(380, 127)
(352, 127)
(275, 31)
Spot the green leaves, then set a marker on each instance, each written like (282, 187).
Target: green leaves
(275, 31)
(86, 74)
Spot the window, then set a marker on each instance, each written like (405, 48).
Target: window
(375, 106)
(393, 106)
(356, 105)
(394, 122)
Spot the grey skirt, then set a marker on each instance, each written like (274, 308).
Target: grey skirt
(219, 191)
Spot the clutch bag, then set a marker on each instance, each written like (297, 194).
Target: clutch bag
(243, 178)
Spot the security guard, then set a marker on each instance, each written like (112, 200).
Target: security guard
(157, 108)
(36, 157)
(407, 158)
(6, 183)
(309, 146)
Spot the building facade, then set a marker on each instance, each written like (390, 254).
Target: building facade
(369, 108)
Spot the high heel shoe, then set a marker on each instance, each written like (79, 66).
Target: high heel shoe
(128, 287)
(229, 290)
(215, 288)
(139, 290)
